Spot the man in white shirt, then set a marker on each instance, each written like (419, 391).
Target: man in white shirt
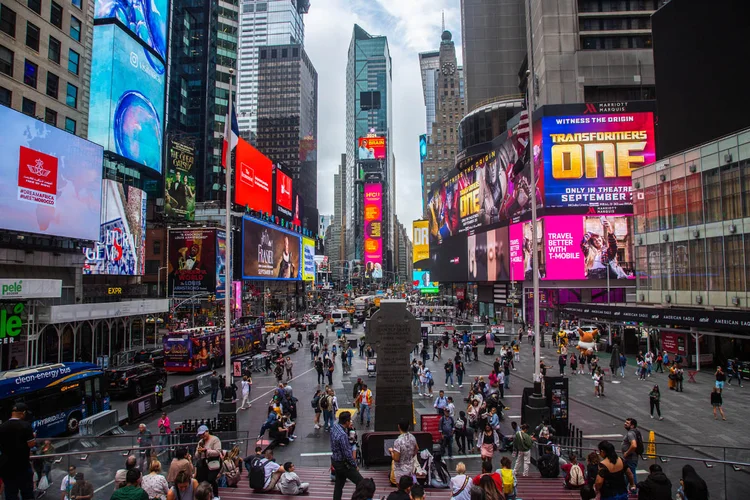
(272, 471)
(247, 383)
(290, 483)
(66, 485)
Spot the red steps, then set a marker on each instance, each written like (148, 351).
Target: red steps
(533, 487)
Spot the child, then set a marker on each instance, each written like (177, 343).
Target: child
(509, 478)
(592, 469)
(289, 482)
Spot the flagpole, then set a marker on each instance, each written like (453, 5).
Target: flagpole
(228, 240)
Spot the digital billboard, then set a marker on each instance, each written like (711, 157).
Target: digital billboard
(588, 159)
(371, 148)
(283, 194)
(421, 240)
(52, 180)
(191, 265)
(422, 147)
(122, 240)
(146, 19)
(308, 259)
(448, 261)
(424, 283)
(488, 255)
(253, 178)
(520, 243)
(126, 105)
(373, 207)
(221, 264)
(180, 181)
(269, 253)
(298, 211)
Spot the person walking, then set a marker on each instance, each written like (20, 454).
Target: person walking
(630, 445)
(623, 364)
(365, 404)
(460, 370)
(440, 403)
(654, 398)
(319, 370)
(247, 383)
(522, 444)
(659, 363)
(214, 380)
(145, 441)
(449, 372)
(735, 373)
(344, 466)
(403, 453)
(329, 369)
(597, 378)
(446, 425)
(573, 364)
(614, 475)
(208, 450)
(716, 402)
(562, 362)
(288, 366)
(649, 358)
(165, 429)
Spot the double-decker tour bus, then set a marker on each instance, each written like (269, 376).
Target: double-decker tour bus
(58, 395)
(198, 349)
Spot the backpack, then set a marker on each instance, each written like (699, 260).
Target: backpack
(325, 403)
(544, 432)
(257, 473)
(638, 442)
(508, 482)
(576, 476)
(231, 473)
(315, 402)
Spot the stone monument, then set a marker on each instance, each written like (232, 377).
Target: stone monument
(393, 332)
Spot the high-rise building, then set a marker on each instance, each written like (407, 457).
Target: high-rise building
(368, 112)
(288, 119)
(443, 87)
(47, 47)
(494, 45)
(429, 67)
(403, 266)
(334, 243)
(323, 222)
(203, 50)
(263, 23)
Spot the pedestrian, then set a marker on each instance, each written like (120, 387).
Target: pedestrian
(716, 403)
(679, 375)
(319, 370)
(182, 461)
(325, 403)
(654, 398)
(692, 486)
(581, 362)
(630, 445)
(344, 466)
(214, 380)
(165, 428)
(329, 370)
(67, 483)
(247, 383)
(602, 378)
(642, 369)
(665, 358)
(84, 490)
(461, 483)
(365, 404)
(288, 366)
(425, 355)
(516, 352)
(460, 370)
(522, 444)
(449, 372)
(506, 372)
(460, 427)
(207, 453)
(649, 358)
(657, 485)
(573, 364)
(403, 453)
(132, 489)
(488, 442)
(561, 361)
(596, 377)
(659, 363)
(415, 373)
(154, 483)
(735, 373)
(446, 425)
(184, 487)
(145, 442)
(575, 473)
(440, 403)
(613, 473)
(159, 393)
(623, 364)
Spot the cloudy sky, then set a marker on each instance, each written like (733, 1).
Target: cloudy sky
(412, 26)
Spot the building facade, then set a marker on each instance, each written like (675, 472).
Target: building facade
(288, 119)
(323, 222)
(403, 266)
(45, 60)
(263, 23)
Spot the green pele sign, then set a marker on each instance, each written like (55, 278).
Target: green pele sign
(11, 321)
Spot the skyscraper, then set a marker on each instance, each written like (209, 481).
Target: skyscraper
(288, 119)
(263, 23)
(368, 111)
(429, 67)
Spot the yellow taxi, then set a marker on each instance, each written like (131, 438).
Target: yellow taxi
(272, 327)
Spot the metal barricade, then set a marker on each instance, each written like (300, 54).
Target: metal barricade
(204, 383)
(100, 424)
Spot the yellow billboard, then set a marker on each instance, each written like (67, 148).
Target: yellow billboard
(420, 240)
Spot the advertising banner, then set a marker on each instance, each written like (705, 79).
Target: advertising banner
(122, 241)
(588, 159)
(146, 20)
(269, 253)
(489, 255)
(12, 289)
(253, 178)
(298, 215)
(192, 262)
(373, 206)
(371, 148)
(448, 261)
(237, 298)
(517, 249)
(424, 285)
(308, 259)
(221, 263)
(283, 194)
(674, 342)
(180, 181)
(52, 179)
(421, 240)
(126, 107)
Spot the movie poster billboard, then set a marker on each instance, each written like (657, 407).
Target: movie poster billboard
(489, 255)
(298, 209)
(371, 148)
(308, 259)
(421, 241)
(191, 265)
(588, 159)
(179, 183)
(269, 253)
(373, 207)
(221, 264)
(121, 246)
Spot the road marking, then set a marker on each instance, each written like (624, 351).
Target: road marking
(601, 436)
(293, 378)
(105, 486)
(513, 416)
(640, 471)
(319, 454)
(511, 396)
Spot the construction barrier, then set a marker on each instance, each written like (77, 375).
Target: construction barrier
(99, 424)
(204, 383)
(142, 407)
(651, 446)
(186, 391)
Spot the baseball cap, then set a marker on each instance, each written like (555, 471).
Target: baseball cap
(202, 429)
(19, 407)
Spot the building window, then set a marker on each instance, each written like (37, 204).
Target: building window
(71, 99)
(678, 210)
(50, 116)
(75, 28)
(28, 107)
(715, 265)
(30, 71)
(734, 263)
(6, 97)
(157, 247)
(53, 84)
(32, 36)
(35, 5)
(654, 266)
(70, 125)
(731, 189)
(745, 167)
(55, 14)
(6, 61)
(712, 195)
(77, 3)
(697, 258)
(7, 21)
(53, 54)
(694, 200)
(73, 59)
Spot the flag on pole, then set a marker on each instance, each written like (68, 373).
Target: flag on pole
(230, 138)
(522, 129)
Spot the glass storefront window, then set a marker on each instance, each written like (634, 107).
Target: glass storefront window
(654, 266)
(667, 262)
(734, 260)
(715, 267)
(652, 208)
(641, 266)
(745, 169)
(731, 192)
(698, 265)
(679, 201)
(665, 205)
(681, 266)
(712, 195)
(694, 196)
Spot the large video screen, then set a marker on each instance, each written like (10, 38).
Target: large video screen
(308, 259)
(448, 262)
(122, 241)
(180, 181)
(52, 180)
(191, 262)
(253, 179)
(588, 159)
(520, 242)
(424, 283)
(269, 253)
(371, 148)
(221, 264)
(373, 206)
(421, 240)
(283, 194)
(146, 19)
(126, 108)
(489, 255)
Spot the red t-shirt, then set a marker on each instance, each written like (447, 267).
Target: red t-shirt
(495, 477)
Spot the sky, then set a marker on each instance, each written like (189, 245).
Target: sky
(412, 26)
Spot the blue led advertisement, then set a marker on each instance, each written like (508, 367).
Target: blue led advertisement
(126, 111)
(147, 19)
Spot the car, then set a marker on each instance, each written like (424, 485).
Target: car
(153, 356)
(135, 380)
(284, 324)
(318, 318)
(272, 327)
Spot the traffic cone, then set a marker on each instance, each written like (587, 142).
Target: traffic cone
(651, 447)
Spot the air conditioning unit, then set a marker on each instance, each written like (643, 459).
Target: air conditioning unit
(699, 299)
(735, 301)
(696, 233)
(727, 157)
(732, 228)
(667, 298)
(665, 237)
(693, 168)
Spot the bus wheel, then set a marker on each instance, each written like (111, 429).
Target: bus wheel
(73, 421)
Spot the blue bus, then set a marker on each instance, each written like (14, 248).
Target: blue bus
(58, 395)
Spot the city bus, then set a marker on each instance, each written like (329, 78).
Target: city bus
(199, 349)
(58, 395)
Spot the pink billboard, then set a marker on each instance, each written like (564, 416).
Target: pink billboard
(373, 216)
(237, 298)
(516, 248)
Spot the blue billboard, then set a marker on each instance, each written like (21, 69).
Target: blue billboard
(147, 19)
(126, 110)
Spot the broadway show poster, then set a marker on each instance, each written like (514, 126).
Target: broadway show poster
(489, 255)
(221, 264)
(269, 253)
(588, 159)
(192, 262)
(180, 181)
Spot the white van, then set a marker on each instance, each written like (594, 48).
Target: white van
(339, 317)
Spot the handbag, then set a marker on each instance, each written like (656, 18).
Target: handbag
(213, 464)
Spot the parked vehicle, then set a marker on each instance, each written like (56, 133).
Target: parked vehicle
(135, 380)
(153, 356)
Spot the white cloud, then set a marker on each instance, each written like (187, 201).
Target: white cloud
(412, 26)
